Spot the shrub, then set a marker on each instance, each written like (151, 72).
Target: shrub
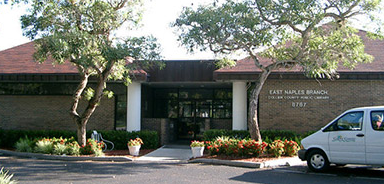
(24, 145)
(211, 135)
(277, 148)
(268, 136)
(72, 147)
(92, 147)
(290, 148)
(44, 146)
(5, 177)
(236, 147)
(10, 137)
(119, 138)
(252, 148)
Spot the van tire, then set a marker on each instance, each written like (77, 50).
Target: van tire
(317, 161)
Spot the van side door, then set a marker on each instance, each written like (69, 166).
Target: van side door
(375, 138)
(346, 139)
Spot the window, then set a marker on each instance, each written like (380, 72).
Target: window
(351, 121)
(377, 120)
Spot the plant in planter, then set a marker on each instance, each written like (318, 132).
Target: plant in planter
(197, 148)
(134, 146)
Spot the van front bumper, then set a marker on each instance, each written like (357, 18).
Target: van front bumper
(301, 154)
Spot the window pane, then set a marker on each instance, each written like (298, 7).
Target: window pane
(377, 120)
(196, 94)
(350, 121)
(223, 94)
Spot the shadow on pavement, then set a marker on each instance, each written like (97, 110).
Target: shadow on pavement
(301, 174)
(35, 170)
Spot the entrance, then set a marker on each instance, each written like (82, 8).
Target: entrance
(193, 114)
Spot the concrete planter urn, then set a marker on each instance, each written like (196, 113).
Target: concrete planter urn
(134, 146)
(197, 151)
(134, 150)
(197, 148)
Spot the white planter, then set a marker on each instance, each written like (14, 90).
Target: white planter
(197, 151)
(134, 150)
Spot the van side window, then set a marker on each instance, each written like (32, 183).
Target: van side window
(352, 121)
(377, 120)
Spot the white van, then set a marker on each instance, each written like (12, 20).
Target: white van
(355, 137)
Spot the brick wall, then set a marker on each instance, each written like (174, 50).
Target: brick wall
(221, 124)
(38, 112)
(163, 126)
(309, 105)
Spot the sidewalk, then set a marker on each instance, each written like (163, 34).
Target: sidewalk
(170, 153)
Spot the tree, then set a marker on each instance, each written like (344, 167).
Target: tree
(82, 32)
(312, 34)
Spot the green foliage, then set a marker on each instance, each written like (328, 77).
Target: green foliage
(235, 147)
(225, 62)
(212, 134)
(267, 135)
(223, 29)
(135, 142)
(10, 137)
(83, 33)
(92, 148)
(197, 144)
(119, 138)
(313, 35)
(6, 178)
(65, 146)
(44, 146)
(290, 148)
(276, 148)
(25, 145)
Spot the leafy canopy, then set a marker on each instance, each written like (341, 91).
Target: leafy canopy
(83, 33)
(310, 33)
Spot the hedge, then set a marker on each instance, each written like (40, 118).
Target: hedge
(8, 138)
(267, 135)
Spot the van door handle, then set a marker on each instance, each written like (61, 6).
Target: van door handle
(360, 135)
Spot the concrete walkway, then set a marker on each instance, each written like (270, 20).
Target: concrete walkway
(171, 153)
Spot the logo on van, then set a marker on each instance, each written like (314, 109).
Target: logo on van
(343, 139)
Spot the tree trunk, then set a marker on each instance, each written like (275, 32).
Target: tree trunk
(82, 120)
(253, 123)
(81, 131)
(81, 134)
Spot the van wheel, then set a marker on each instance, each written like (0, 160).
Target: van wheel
(317, 161)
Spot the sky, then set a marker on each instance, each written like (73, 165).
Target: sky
(157, 18)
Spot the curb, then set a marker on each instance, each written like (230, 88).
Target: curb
(63, 157)
(268, 164)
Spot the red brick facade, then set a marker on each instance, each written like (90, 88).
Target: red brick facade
(303, 105)
(40, 112)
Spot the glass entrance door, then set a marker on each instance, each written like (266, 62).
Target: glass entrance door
(192, 117)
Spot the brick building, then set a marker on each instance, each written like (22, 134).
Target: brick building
(186, 98)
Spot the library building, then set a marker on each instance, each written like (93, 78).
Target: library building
(185, 98)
